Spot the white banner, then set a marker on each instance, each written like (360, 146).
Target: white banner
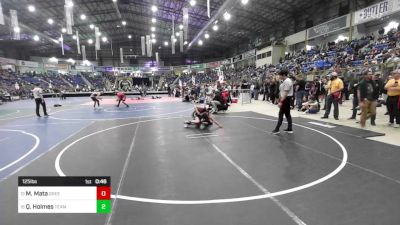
(77, 42)
(157, 59)
(27, 63)
(180, 83)
(69, 13)
(121, 54)
(62, 44)
(14, 25)
(208, 9)
(376, 11)
(173, 25)
(193, 80)
(185, 22)
(173, 44)
(143, 41)
(1, 15)
(148, 42)
(83, 53)
(96, 33)
(181, 42)
(6, 61)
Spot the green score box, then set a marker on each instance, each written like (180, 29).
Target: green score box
(103, 206)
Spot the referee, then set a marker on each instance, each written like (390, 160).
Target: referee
(285, 97)
(37, 95)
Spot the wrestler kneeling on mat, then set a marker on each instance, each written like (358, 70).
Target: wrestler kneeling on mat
(202, 115)
(121, 97)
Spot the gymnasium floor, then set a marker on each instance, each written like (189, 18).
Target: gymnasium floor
(163, 173)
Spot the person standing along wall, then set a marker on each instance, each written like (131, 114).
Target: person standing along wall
(393, 92)
(334, 96)
(368, 95)
(300, 91)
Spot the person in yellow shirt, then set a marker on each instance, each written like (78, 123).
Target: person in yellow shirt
(393, 100)
(334, 88)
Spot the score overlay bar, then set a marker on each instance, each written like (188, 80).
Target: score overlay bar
(64, 195)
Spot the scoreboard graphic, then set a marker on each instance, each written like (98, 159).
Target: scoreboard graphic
(64, 194)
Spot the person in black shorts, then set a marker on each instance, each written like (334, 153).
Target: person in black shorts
(95, 96)
(285, 97)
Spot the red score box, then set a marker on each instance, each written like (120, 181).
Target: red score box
(103, 193)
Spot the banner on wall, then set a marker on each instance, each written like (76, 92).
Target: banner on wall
(249, 54)
(50, 66)
(237, 58)
(83, 68)
(226, 61)
(327, 27)
(5, 61)
(213, 64)
(376, 11)
(27, 63)
(62, 66)
(197, 66)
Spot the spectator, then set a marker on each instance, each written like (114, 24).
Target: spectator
(368, 96)
(335, 86)
(393, 92)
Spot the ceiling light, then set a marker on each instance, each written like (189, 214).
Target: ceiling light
(74, 37)
(36, 38)
(118, 26)
(153, 35)
(90, 41)
(153, 20)
(129, 36)
(215, 27)
(91, 26)
(50, 21)
(123, 23)
(181, 27)
(31, 8)
(192, 2)
(70, 4)
(56, 41)
(17, 29)
(71, 60)
(174, 39)
(104, 39)
(166, 43)
(185, 43)
(60, 39)
(153, 41)
(200, 42)
(98, 34)
(177, 34)
(227, 16)
(153, 29)
(63, 30)
(83, 17)
(244, 2)
(114, 0)
(186, 16)
(154, 8)
(207, 36)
